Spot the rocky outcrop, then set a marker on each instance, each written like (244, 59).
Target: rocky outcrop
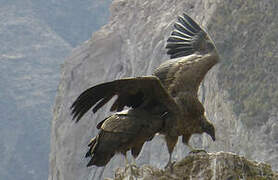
(239, 94)
(212, 166)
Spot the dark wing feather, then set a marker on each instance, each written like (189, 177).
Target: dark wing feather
(181, 41)
(131, 92)
(187, 38)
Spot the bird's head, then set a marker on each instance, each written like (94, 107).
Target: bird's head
(208, 127)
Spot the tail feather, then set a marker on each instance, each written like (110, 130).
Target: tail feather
(99, 150)
(92, 142)
(100, 159)
(91, 145)
(106, 145)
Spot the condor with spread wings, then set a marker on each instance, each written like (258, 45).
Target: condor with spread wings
(165, 103)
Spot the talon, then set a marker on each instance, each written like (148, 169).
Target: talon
(170, 166)
(196, 151)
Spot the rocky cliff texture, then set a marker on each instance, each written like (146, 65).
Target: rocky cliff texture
(240, 94)
(212, 166)
(32, 48)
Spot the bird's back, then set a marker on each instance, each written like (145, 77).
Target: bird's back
(122, 131)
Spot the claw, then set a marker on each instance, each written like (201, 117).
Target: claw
(133, 170)
(131, 167)
(170, 166)
(196, 151)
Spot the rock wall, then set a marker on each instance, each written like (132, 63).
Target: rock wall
(240, 94)
(35, 38)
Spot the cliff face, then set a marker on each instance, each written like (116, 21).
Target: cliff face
(239, 94)
(32, 50)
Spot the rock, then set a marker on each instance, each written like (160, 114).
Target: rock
(211, 166)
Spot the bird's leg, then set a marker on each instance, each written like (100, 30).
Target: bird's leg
(135, 152)
(171, 142)
(133, 168)
(130, 167)
(169, 164)
(133, 161)
(126, 160)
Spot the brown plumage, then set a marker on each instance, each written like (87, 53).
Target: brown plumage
(165, 103)
(120, 132)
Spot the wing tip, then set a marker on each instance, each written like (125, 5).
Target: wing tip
(182, 41)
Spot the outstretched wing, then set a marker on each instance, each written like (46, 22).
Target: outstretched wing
(192, 54)
(181, 41)
(131, 92)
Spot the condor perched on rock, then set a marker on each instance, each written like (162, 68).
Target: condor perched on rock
(165, 103)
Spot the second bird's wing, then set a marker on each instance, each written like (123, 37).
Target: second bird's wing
(131, 92)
